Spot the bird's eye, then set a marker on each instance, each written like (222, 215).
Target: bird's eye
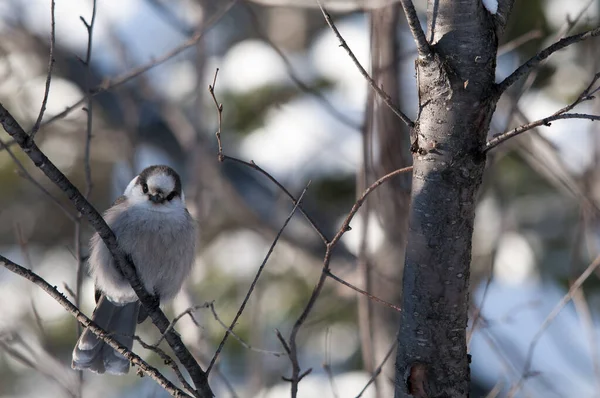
(145, 188)
(171, 196)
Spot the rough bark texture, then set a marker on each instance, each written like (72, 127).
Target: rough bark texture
(456, 102)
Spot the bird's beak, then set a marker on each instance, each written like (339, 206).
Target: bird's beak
(158, 198)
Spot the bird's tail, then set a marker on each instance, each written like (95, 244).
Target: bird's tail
(93, 354)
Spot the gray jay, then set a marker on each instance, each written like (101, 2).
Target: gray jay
(154, 228)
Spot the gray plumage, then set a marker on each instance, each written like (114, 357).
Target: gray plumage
(155, 229)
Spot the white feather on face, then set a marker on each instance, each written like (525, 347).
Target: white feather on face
(158, 182)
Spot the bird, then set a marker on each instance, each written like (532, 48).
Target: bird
(156, 231)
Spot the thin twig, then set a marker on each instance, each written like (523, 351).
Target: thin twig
(542, 55)
(122, 262)
(496, 390)
(295, 379)
(479, 308)
(379, 368)
(284, 343)
(88, 76)
(222, 157)
(363, 292)
(253, 284)
(549, 319)
(38, 122)
(327, 105)
(169, 362)
(133, 73)
(241, 341)
(384, 96)
(569, 24)
(87, 167)
(586, 95)
(178, 317)
(494, 142)
(148, 370)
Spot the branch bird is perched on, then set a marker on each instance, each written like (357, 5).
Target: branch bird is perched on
(154, 228)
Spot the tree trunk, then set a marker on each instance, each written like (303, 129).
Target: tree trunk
(457, 97)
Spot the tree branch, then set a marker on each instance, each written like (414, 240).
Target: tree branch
(586, 95)
(550, 318)
(542, 55)
(379, 368)
(363, 292)
(384, 96)
(131, 74)
(253, 284)
(146, 369)
(293, 350)
(414, 24)
(222, 157)
(122, 263)
(38, 122)
(327, 105)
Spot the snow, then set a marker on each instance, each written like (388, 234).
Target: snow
(250, 65)
(562, 356)
(301, 139)
(491, 5)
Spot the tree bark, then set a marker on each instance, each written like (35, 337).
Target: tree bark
(457, 98)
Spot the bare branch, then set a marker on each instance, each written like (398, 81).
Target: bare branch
(133, 73)
(541, 122)
(123, 264)
(87, 167)
(327, 105)
(169, 362)
(415, 28)
(586, 95)
(549, 319)
(222, 157)
(379, 368)
(319, 286)
(89, 107)
(364, 293)
(178, 317)
(542, 55)
(253, 284)
(146, 369)
(235, 336)
(384, 96)
(36, 126)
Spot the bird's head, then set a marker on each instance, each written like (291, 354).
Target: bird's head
(157, 188)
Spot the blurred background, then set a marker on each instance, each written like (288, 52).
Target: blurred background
(294, 103)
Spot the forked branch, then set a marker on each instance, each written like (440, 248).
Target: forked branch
(542, 55)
